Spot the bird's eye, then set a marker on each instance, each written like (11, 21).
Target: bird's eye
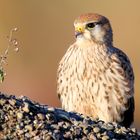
(91, 25)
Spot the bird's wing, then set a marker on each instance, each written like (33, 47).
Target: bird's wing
(127, 71)
(125, 68)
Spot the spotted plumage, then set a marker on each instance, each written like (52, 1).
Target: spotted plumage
(95, 78)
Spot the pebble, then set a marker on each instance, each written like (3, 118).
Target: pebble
(134, 130)
(51, 109)
(12, 102)
(26, 107)
(28, 135)
(41, 116)
(67, 134)
(96, 129)
(48, 137)
(38, 138)
(92, 137)
(105, 138)
(29, 127)
(20, 132)
(2, 101)
(19, 115)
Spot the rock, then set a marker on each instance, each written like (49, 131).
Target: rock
(21, 118)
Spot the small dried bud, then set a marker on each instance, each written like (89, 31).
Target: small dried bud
(16, 49)
(16, 43)
(4, 74)
(15, 29)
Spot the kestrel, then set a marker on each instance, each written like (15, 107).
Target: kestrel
(95, 78)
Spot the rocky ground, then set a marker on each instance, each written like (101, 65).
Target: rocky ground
(23, 119)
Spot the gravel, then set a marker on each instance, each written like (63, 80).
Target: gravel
(23, 119)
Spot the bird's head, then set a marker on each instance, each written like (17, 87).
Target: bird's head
(93, 27)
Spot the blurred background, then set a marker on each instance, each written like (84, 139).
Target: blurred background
(45, 33)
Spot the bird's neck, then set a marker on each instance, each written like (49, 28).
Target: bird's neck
(90, 44)
(84, 43)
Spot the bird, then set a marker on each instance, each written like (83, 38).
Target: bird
(95, 78)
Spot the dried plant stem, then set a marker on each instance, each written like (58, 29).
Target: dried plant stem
(11, 43)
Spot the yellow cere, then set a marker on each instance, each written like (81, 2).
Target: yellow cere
(79, 28)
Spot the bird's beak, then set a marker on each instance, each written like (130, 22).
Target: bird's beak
(79, 30)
